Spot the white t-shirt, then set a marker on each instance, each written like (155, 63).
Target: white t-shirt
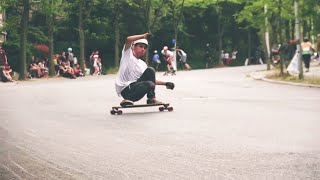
(183, 53)
(168, 53)
(130, 70)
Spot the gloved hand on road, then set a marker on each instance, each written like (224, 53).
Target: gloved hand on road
(169, 85)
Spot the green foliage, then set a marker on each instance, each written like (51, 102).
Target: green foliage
(112, 70)
(195, 22)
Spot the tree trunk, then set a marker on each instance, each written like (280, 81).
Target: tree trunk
(249, 44)
(81, 37)
(51, 48)
(220, 35)
(280, 37)
(287, 30)
(298, 36)
(267, 39)
(23, 40)
(117, 40)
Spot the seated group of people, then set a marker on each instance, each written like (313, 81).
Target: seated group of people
(38, 69)
(65, 70)
(63, 67)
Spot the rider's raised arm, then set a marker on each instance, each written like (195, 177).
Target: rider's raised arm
(132, 38)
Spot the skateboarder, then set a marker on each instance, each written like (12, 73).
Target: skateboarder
(168, 56)
(183, 59)
(134, 79)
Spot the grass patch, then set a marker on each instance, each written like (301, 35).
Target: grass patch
(295, 79)
(112, 70)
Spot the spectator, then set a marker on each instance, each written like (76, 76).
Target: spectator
(77, 71)
(100, 66)
(70, 57)
(234, 55)
(156, 60)
(63, 57)
(183, 59)
(43, 68)
(306, 52)
(288, 50)
(91, 59)
(318, 47)
(3, 57)
(66, 71)
(223, 59)
(96, 64)
(5, 74)
(227, 58)
(56, 63)
(34, 70)
(208, 57)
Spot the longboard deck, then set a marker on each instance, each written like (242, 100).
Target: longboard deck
(140, 105)
(163, 106)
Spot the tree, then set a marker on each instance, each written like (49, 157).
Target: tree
(85, 8)
(53, 9)
(23, 39)
(153, 12)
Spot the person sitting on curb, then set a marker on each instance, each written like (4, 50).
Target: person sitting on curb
(135, 79)
(5, 74)
(35, 70)
(77, 70)
(66, 71)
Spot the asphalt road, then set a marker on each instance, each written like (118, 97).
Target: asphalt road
(224, 125)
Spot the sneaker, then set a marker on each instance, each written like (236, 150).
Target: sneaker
(153, 101)
(126, 102)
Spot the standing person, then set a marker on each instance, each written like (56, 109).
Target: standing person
(307, 49)
(91, 59)
(208, 57)
(96, 64)
(63, 57)
(134, 79)
(223, 59)
(183, 58)
(234, 55)
(168, 55)
(227, 58)
(156, 60)
(3, 57)
(288, 50)
(318, 47)
(70, 57)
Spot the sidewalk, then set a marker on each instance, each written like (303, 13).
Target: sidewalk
(313, 73)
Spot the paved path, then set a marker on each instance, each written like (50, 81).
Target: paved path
(225, 125)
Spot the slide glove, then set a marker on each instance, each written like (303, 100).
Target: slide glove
(169, 85)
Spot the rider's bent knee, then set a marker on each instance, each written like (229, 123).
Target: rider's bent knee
(151, 70)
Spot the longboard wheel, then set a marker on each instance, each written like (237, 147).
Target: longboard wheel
(113, 112)
(119, 112)
(170, 108)
(161, 108)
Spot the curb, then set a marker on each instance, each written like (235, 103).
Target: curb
(262, 78)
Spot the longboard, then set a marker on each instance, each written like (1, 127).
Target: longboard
(163, 106)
